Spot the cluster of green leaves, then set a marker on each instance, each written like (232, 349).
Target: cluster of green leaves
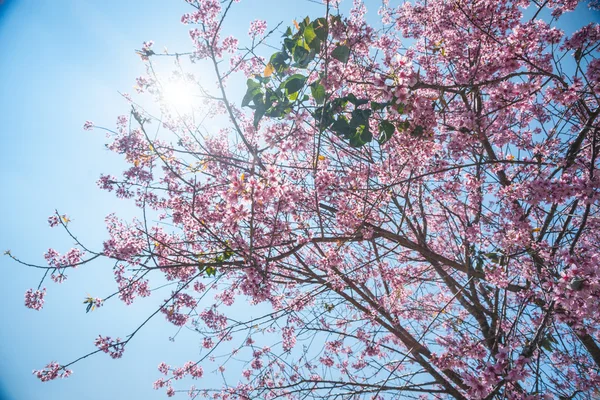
(221, 258)
(91, 304)
(298, 51)
(481, 258)
(548, 342)
(354, 125)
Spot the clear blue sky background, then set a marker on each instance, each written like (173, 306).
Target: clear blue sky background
(62, 62)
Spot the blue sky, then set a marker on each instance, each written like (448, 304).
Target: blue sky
(63, 62)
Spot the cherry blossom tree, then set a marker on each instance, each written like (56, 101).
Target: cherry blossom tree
(412, 207)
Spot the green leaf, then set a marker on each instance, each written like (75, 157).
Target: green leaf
(274, 112)
(227, 254)
(288, 32)
(418, 131)
(479, 264)
(252, 84)
(341, 53)
(339, 104)
(337, 18)
(357, 102)
(404, 125)
(324, 117)
(365, 133)
(309, 34)
(361, 137)
(294, 83)
(375, 106)
(300, 54)
(262, 80)
(289, 44)
(254, 89)
(321, 29)
(546, 344)
(494, 257)
(341, 127)
(307, 60)
(386, 130)
(211, 271)
(359, 128)
(360, 117)
(278, 61)
(272, 96)
(318, 92)
(258, 114)
(315, 47)
(301, 43)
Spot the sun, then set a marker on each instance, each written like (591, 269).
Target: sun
(177, 95)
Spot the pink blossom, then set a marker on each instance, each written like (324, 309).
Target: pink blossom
(53, 220)
(257, 28)
(207, 343)
(35, 300)
(256, 363)
(230, 44)
(289, 338)
(159, 383)
(112, 347)
(163, 368)
(146, 46)
(52, 371)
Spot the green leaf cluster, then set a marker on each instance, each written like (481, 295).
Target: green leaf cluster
(298, 51)
(221, 258)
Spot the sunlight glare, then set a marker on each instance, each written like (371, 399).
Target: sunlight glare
(177, 95)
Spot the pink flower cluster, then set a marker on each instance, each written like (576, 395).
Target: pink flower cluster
(289, 338)
(230, 44)
(189, 368)
(213, 319)
(180, 300)
(125, 243)
(35, 300)
(207, 343)
(130, 287)
(55, 219)
(163, 368)
(112, 347)
(52, 371)
(71, 258)
(147, 46)
(257, 28)
(207, 13)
